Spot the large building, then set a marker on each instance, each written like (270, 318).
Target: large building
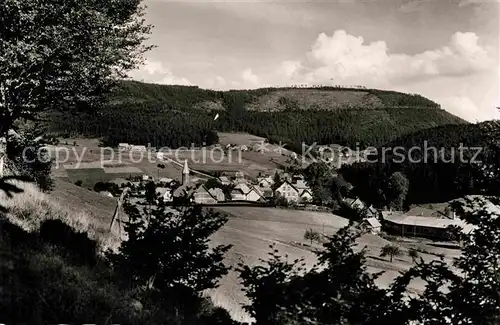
(411, 225)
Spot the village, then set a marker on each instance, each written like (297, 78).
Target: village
(286, 190)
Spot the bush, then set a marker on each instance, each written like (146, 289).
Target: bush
(79, 183)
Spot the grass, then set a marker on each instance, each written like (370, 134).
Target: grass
(31, 207)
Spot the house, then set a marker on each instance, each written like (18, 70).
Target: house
(371, 212)
(267, 181)
(300, 184)
(286, 177)
(239, 175)
(224, 180)
(356, 203)
(106, 193)
(164, 193)
(238, 195)
(404, 224)
(139, 148)
(145, 177)
(123, 146)
(247, 193)
(306, 195)
(217, 194)
(202, 196)
(243, 148)
(288, 191)
(372, 225)
(254, 195)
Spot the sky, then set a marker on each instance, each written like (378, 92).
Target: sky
(446, 50)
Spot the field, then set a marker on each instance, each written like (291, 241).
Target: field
(89, 163)
(251, 230)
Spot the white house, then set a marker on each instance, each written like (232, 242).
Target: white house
(253, 195)
(139, 148)
(265, 181)
(202, 196)
(123, 146)
(224, 180)
(306, 195)
(301, 185)
(248, 193)
(106, 193)
(217, 194)
(238, 195)
(288, 191)
(372, 225)
(164, 193)
(145, 177)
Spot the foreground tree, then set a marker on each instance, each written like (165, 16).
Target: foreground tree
(65, 54)
(338, 290)
(169, 252)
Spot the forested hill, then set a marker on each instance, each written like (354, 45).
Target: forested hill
(176, 116)
(266, 99)
(441, 164)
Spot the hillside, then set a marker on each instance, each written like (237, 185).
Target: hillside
(440, 163)
(184, 98)
(176, 116)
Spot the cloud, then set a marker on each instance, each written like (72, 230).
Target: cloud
(347, 58)
(157, 72)
(249, 77)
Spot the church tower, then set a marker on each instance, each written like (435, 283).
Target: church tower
(185, 173)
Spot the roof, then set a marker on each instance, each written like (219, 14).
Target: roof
(243, 187)
(421, 211)
(183, 190)
(239, 190)
(306, 191)
(357, 203)
(224, 179)
(257, 190)
(287, 182)
(373, 222)
(301, 184)
(431, 222)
